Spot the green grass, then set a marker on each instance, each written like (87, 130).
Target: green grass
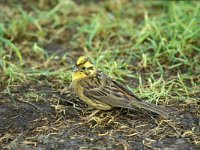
(153, 47)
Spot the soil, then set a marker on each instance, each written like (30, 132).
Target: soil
(43, 125)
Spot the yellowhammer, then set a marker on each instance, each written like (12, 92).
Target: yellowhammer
(101, 92)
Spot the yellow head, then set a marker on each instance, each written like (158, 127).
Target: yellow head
(83, 68)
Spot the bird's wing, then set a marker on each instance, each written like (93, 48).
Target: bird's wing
(103, 89)
(121, 87)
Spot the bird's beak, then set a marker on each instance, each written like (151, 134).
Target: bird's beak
(75, 69)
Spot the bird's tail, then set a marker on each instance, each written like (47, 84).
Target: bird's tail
(151, 107)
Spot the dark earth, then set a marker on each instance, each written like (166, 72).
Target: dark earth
(42, 125)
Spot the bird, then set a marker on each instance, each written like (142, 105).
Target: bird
(101, 92)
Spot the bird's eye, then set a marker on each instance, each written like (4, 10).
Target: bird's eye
(84, 68)
(91, 68)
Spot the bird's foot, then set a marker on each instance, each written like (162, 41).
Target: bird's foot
(88, 118)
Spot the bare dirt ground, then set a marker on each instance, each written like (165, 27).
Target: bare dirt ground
(36, 125)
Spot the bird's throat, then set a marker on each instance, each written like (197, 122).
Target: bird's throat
(78, 75)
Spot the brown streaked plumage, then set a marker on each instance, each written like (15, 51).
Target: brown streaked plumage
(101, 92)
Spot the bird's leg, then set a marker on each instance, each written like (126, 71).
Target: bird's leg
(90, 116)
